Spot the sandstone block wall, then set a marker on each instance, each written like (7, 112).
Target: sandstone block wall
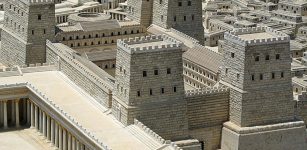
(210, 109)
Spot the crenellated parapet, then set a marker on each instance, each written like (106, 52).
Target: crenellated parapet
(149, 44)
(235, 36)
(207, 91)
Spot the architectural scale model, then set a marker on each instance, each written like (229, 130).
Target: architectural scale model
(153, 75)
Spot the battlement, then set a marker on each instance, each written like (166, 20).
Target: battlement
(37, 2)
(149, 44)
(206, 91)
(256, 36)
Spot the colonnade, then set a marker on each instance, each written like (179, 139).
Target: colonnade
(13, 113)
(23, 112)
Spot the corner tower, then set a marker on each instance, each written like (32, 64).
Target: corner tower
(150, 84)
(27, 25)
(256, 66)
(182, 15)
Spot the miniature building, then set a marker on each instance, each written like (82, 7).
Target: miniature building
(249, 58)
(24, 41)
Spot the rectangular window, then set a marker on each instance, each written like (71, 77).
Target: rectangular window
(189, 3)
(150, 91)
(168, 70)
(253, 77)
(162, 90)
(282, 74)
(32, 32)
(139, 93)
(277, 56)
(273, 75)
(156, 72)
(175, 89)
(144, 73)
(44, 31)
(256, 58)
(179, 3)
(261, 76)
(232, 55)
(39, 17)
(267, 57)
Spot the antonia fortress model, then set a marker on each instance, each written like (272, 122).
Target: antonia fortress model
(153, 81)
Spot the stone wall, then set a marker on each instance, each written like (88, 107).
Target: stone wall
(207, 107)
(207, 110)
(78, 72)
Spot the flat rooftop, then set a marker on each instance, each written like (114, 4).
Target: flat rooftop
(153, 44)
(254, 36)
(78, 104)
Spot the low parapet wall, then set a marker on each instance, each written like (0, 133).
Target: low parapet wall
(20, 70)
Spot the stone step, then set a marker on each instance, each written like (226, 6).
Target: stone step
(144, 137)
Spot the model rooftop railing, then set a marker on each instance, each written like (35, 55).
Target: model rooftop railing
(126, 44)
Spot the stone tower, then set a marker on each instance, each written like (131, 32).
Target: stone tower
(150, 85)
(27, 25)
(140, 11)
(256, 66)
(182, 15)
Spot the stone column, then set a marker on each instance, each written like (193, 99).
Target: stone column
(60, 138)
(64, 140)
(40, 121)
(69, 142)
(48, 127)
(52, 131)
(32, 118)
(5, 114)
(29, 112)
(17, 113)
(73, 143)
(56, 135)
(81, 146)
(36, 117)
(44, 124)
(25, 110)
(78, 145)
(1, 112)
(13, 111)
